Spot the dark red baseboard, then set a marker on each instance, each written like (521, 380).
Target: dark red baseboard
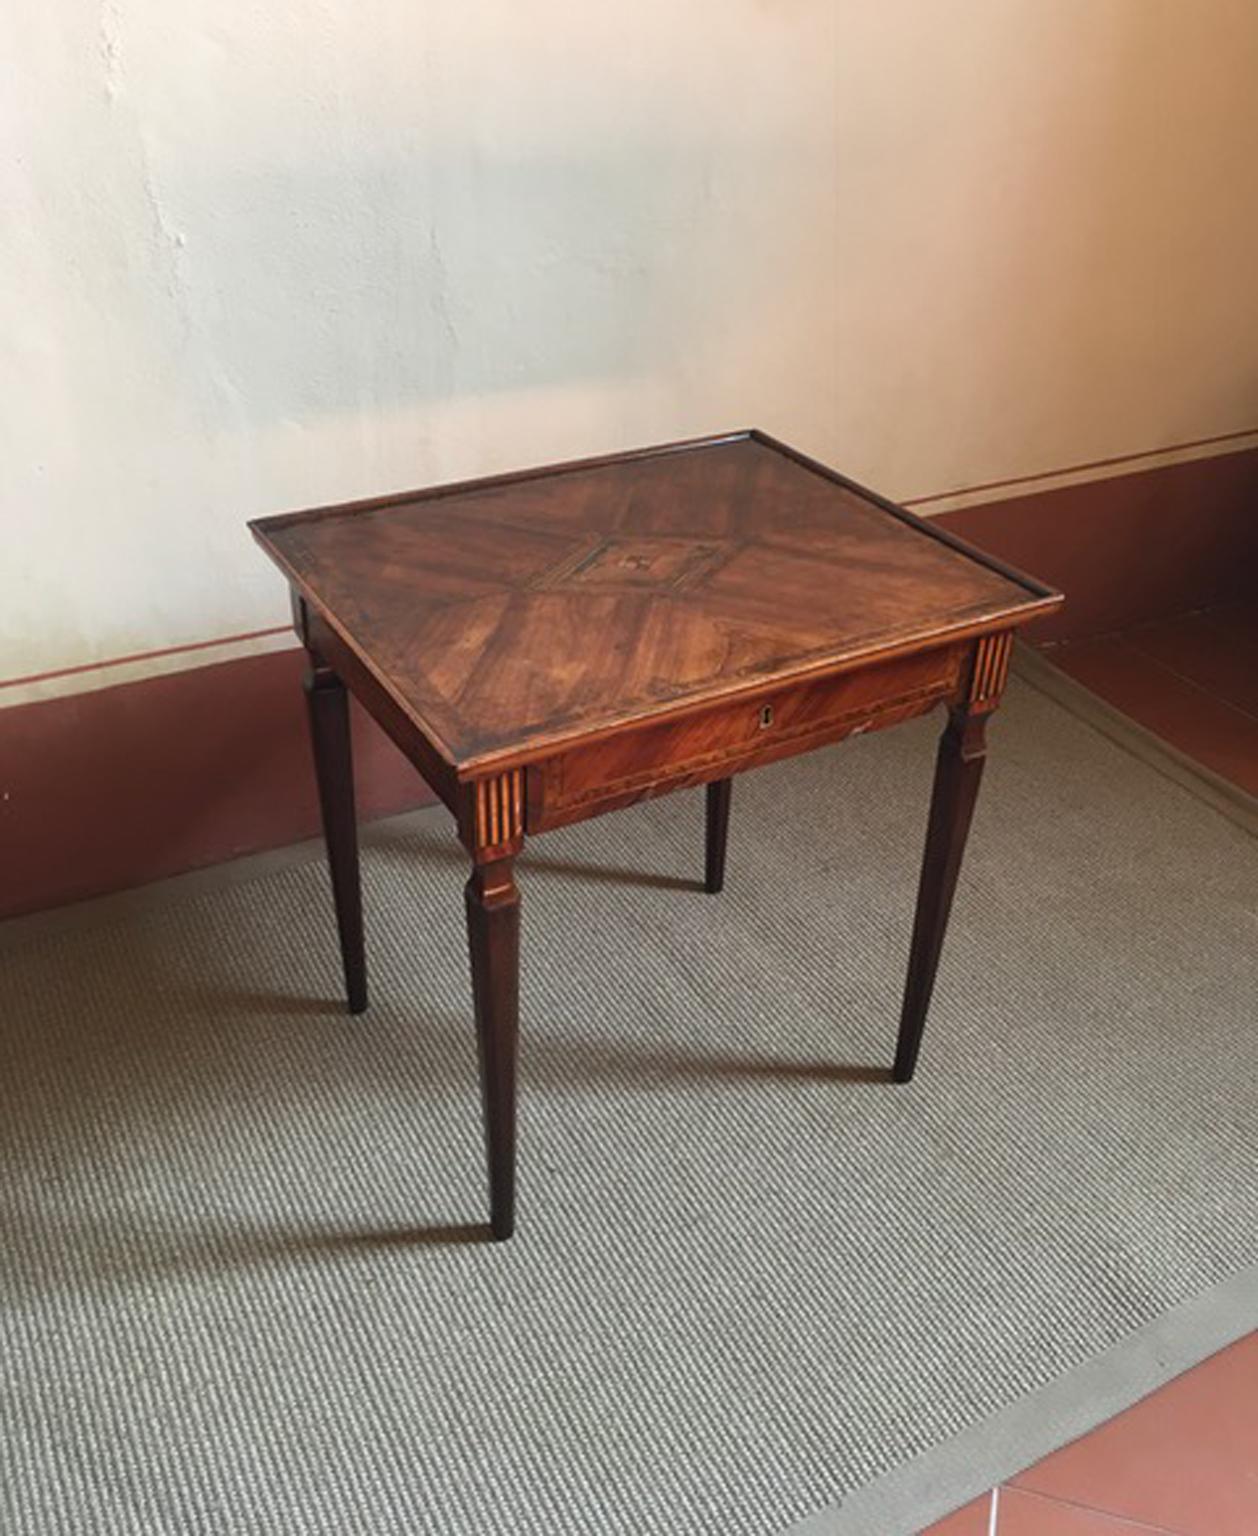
(1132, 548)
(105, 790)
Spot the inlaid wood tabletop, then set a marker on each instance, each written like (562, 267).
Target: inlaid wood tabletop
(507, 616)
(555, 643)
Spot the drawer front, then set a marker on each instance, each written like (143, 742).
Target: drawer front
(733, 736)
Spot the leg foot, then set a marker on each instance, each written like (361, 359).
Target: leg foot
(493, 934)
(958, 770)
(717, 835)
(328, 708)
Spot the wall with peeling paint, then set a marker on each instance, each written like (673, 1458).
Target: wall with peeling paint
(264, 255)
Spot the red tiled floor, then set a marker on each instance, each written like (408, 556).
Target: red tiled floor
(1184, 1462)
(1215, 733)
(970, 1520)
(1217, 649)
(1028, 1514)
(1185, 1459)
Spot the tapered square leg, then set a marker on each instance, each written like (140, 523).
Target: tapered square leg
(718, 801)
(328, 708)
(958, 770)
(493, 936)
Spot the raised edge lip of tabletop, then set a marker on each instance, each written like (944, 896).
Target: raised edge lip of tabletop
(260, 525)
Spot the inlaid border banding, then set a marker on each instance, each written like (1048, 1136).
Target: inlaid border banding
(849, 721)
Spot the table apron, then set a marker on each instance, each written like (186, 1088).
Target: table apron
(635, 764)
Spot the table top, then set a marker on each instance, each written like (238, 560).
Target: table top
(517, 613)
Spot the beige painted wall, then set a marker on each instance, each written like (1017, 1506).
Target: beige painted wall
(263, 255)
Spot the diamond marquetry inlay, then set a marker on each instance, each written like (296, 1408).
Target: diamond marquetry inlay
(635, 563)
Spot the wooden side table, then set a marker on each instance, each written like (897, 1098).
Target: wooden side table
(550, 645)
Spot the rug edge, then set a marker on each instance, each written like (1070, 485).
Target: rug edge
(942, 1479)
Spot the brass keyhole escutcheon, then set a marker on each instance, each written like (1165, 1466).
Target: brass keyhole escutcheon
(766, 717)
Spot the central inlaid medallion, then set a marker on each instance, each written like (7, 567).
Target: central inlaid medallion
(645, 562)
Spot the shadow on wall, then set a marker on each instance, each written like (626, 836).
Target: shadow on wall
(314, 293)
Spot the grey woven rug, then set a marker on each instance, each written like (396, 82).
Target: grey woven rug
(243, 1284)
